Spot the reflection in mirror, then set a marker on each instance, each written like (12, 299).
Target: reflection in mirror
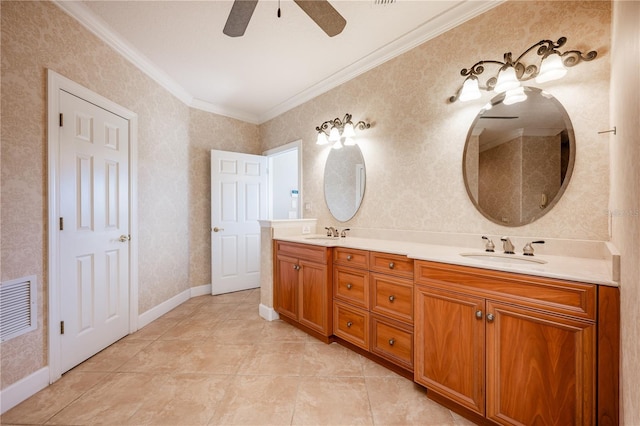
(518, 158)
(344, 181)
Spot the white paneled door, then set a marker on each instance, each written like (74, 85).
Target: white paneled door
(93, 229)
(238, 201)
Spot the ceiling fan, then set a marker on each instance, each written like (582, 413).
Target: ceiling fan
(320, 11)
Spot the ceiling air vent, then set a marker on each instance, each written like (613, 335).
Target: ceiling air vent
(17, 307)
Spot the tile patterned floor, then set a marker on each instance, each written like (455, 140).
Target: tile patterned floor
(214, 361)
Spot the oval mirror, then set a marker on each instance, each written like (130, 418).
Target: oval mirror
(518, 158)
(344, 182)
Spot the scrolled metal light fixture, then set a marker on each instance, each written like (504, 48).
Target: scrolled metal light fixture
(337, 131)
(548, 64)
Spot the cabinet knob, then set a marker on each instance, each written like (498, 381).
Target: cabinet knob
(391, 265)
(296, 267)
(490, 317)
(349, 257)
(479, 314)
(392, 342)
(392, 298)
(349, 286)
(349, 324)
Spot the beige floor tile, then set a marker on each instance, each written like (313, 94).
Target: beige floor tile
(258, 400)
(214, 360)
(280, 331)
(114, 356)
(46, 403)
(184, 399)
(321, 359)
(245, 311)
(398, 401)
(154, 330)
(284, 359)
(332, 401)
(238, 331)
(112, 402)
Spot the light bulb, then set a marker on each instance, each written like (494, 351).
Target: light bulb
(507, 80)
(337, 145)
(551, 68)
(514, 96)
(470, 90)
(348, 131)
(334, 135)
(322, 138)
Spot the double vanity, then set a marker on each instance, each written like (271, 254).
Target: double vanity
(503, 339)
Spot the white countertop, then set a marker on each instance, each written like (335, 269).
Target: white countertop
(588, 270)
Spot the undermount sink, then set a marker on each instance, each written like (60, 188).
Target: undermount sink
(321, 237)
(509, 259)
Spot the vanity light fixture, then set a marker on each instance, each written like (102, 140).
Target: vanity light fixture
(339, 131)
(546, 65)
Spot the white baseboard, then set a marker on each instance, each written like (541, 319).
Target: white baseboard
(268, 313)
(202, 290)
(164, 307)
(23, 389)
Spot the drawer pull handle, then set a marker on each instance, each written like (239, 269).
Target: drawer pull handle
(391, 265)
(479, 314)
(349, 257)
(392, 298)
(349, 286)
(490, 317)
(392, 342)
(349, 324)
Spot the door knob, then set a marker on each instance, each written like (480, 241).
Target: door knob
(124, 238)
(216, 229)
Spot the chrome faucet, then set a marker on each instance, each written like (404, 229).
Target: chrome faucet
(528, 248)
(507, 245)
(331, 231)
(489, 246)
(343, 233)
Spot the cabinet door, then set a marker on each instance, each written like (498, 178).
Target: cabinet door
(449, 345)
(286, 287)
(540, 368)
(314, 295)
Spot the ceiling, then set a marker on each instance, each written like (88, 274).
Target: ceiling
(279, 63)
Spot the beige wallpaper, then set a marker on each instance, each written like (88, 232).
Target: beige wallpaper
(625, 195)
(173, 151)
(413, 152)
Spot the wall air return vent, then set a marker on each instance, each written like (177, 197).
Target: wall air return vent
(17, 307)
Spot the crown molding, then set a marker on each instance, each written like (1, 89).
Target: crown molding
(427, 31)
(433, 28)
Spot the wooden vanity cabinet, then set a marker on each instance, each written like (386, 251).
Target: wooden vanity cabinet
(373, 305)
(302, 287)
(509, 348)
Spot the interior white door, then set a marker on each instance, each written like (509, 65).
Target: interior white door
(238, 201)
(94, 229)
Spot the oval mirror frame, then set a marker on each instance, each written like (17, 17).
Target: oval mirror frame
(541, 118)
(344, 182)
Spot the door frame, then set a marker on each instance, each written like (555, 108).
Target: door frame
(55, 83)
(295, 145)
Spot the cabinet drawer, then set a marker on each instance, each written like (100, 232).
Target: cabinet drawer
(399, 266)
(351, 286)
(392, 341)
(351, 324)
(302, 251)
(556, 296)
(351, 257)
(392, 297)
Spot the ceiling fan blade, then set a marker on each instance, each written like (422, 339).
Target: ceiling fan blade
(239, 17)
(324, 15)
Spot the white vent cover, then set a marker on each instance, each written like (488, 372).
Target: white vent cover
(17, 307)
